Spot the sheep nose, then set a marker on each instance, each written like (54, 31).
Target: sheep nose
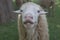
(29, 17)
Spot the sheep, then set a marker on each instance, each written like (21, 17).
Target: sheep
(32, 22)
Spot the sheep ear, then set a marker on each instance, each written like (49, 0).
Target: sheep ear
(17, 11)
(43, 12)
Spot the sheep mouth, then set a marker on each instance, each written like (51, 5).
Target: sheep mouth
(26, 22)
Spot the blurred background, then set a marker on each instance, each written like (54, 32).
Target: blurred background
(8, 20)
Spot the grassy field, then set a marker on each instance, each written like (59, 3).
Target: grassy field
(54, 25)
(10, 31)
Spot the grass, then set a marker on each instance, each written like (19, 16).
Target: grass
(10, 32)
(54, 25)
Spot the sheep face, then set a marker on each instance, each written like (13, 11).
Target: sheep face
(30, 13)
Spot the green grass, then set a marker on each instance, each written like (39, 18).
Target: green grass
(54, 25)
(9, 31)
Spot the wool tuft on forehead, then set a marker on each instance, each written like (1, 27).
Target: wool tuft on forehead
(31, 5)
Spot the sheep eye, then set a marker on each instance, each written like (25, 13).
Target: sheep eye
(38, 11)
(21, 10)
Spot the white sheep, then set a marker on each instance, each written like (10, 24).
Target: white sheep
(32, 22)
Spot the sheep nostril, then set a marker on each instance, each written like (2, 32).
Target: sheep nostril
(31, 17)
(25, 16)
